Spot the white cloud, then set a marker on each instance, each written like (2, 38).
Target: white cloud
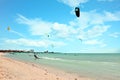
(23, 19)
(34, 43)
(37, 26)
(73, 3)
(26, 42)
(96, 31)
(92, 18)
(101, 18)
(92, 21)
(115, 34)
(90, 25)
(40, 27)
(111, 16)
(15, 32)
(63, 30)
(95, 42)
(92, 42)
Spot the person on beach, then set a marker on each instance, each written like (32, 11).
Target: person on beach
(36, 57)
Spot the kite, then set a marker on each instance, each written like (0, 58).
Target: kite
(15, 32)
(47, 35)
(80, 39)
(77, 11)
(8, 28)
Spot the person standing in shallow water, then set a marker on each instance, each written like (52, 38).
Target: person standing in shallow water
(36, 57)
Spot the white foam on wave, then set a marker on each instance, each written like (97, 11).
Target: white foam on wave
(51, 58)
(59, 59)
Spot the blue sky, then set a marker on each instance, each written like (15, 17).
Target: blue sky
(31, 22)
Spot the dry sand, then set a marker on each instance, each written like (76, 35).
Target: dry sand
(16, 70)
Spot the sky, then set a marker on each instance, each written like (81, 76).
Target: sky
(52, 25)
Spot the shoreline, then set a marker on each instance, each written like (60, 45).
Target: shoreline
(11, 69)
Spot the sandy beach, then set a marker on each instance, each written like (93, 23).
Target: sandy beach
(16, 70)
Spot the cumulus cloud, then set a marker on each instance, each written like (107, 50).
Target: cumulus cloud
(73, 3)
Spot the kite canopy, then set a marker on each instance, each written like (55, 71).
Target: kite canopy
(47, 35)
(80, 39)
(8, 28)
(77, 11)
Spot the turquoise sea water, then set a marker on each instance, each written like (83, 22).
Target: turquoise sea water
(96, 66)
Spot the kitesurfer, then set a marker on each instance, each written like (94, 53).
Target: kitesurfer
(36, 57)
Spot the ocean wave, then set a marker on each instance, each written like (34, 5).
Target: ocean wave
(80, 62)
(59, 59)
(51, 58)
(100, 63)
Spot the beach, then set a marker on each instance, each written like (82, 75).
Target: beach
(11, 69)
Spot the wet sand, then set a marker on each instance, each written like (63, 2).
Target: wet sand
(16, 70)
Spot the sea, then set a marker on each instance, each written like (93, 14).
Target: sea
(97, 66)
